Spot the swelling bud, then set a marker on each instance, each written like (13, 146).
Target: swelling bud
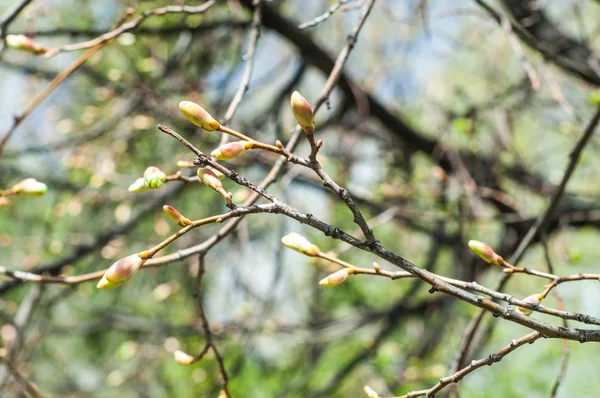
(120, 272)
(231, 150)
(154, 177)
(30, 187)
(299, 243)
(534, 299)
(176, 216)
(25, 43)
(337, 277)
(138, 186)
(197, 115)
(182, 358)
(486, 253)
(303, 112)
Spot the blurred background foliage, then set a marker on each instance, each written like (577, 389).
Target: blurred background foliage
(445, 68)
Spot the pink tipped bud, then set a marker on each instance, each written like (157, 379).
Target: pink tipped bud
(197, 115)
(154, 177)
(182, 358)
(231, 150)
(370, 392)
(303, 112)
(299, 243)
(337, 277)
(176, 216)
(30, 187)
(485, 252)
(24, 43)
(138, 186)
(120, 272)
(534, 299)
(210, 178)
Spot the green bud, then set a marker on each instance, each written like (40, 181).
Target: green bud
(30, 187)
(24, 43)
(154, 177)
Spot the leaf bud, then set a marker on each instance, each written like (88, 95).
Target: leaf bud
(210, 178)
(485, 252)
(182, 358)
(303, 112)
(154, 177)
(139, 185)
(176, 216)
(25, 43)
(337, 277)
(533, 299)
(297, 242)
(197, 115)
(121, 271)
(30, 187)
(231, 150)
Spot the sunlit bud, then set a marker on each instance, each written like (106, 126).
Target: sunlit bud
(533, 299)
(485, 252)
(176, 216)
(182, 358)
(337, 277)
(4, 201)
(376, 267)
(22, 42)
(184, 164)
(231, 150)
(210, 178)
(303, 112)
(197, 115)
(299, 243)
(138, 186)
(30, 187)
(120, 272)
(154, 177)
(370, 392)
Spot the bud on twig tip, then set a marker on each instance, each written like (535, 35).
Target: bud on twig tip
(299, 243)
(303, 112)
(198, 115)
(485, 252)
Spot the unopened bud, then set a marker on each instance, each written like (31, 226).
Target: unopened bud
(210, 178)
(370, 392)
(176, 216)
(303, 112)
(182, 358)
(184, 164)
(231, 150)
(337, 277)
(4, 201)
(120, 272)
(154, 177)
(138, 186)
(197, 115)
(485, 252)
(534, 299)
(25, 43)
(299, 243)
(30, 187)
